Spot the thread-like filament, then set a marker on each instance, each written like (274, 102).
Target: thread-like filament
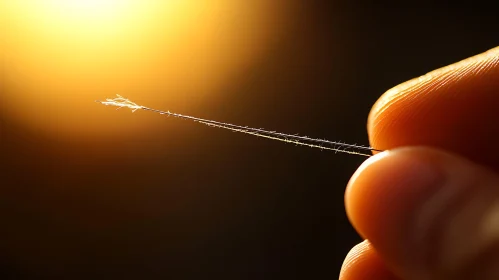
(122, 102)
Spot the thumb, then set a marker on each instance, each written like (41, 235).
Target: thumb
(428, 214)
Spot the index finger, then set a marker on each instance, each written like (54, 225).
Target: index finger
(455, 108)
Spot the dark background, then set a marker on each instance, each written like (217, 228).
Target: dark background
(238, 207)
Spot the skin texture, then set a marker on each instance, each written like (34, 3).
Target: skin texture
(429, 207)
(454, 108)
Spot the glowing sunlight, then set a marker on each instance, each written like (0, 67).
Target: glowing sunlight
(61, 55)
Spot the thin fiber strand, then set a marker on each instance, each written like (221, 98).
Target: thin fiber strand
(122, 102)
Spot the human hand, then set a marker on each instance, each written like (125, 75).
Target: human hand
(429, 207)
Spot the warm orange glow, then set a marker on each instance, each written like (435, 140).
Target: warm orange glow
(87, 8)
(61, 55)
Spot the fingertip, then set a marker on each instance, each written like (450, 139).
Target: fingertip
(362, 262)
(453, 107)
(382, 195)
(387, 181)
(427, 212)
(415, 85)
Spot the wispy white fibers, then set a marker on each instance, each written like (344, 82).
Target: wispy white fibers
(122, 102)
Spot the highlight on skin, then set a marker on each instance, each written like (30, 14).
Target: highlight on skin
(122, 102)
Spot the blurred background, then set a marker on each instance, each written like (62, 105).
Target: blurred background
(87, 192)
